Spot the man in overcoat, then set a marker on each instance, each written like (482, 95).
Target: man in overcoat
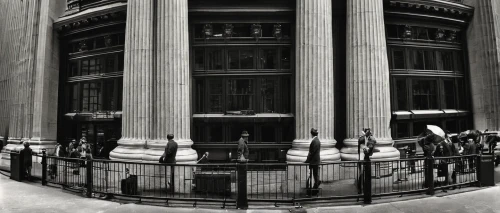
(313, 157)
(170, 150)
(243, 145)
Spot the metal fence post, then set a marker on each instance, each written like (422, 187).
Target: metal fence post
(242, 200)
(367, 183)
(44, 167)
(429, 175)
(478, 170)
(89, 178)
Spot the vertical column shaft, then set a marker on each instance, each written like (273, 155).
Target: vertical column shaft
(368, 91)
(483, 37)
(137, 82)
(314, 80)
(172, 98)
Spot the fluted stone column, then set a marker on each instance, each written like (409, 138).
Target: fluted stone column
(138, 82)
(314, 80)
(368, 97)
(46, 83)
(483, 39)
(172, 97)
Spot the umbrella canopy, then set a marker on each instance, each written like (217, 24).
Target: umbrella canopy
(433, 134)
(436, 130)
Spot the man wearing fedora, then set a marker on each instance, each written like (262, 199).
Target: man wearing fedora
(313, 158)
(243, 145)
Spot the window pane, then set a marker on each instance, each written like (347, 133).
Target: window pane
(403, 130)
(198, 135)
(444, 60)
(214, 59)
(246, 59)
(288, 133)
(119, 94)
(120, 62)
(430, 62)
(268, 58)
(462, 100)
(233, 57)
(392, 31)
(449, 94)
(199, 90)
(73, 69)
(399, 59)
(452, 126)
(215, 95)
(236, 130)
(109, 102)
(240, 94)
(424, 94)
(268, 134)
(85, 67)
(110, 64)
(268, 95)
(401, 94)
(74, 97)
(94, 66)
(85, 97)
(215, 133)
(417, 59)
(285, 58)
(199, 59)
(286, 103)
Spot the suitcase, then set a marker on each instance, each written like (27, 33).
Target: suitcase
(129, 185)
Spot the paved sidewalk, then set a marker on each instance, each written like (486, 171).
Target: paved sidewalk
(33, 197)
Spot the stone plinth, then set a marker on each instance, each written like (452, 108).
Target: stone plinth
(368, 91)
(314, 80)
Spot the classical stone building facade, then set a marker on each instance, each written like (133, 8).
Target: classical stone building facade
(124, 74)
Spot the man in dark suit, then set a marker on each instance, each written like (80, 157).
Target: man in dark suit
(170, 150)
(27, 159)
(313, 158)
(243, 145)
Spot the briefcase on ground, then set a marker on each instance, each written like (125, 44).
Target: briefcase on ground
(129, 185)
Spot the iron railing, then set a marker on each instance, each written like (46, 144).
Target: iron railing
(239, 183)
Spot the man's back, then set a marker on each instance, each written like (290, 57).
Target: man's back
(314, 152)
(170, 151)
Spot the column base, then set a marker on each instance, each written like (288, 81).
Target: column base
(387, 152)
(142, 150)
(300, 150)
(37, 144)
(185, 154)
(128, 149)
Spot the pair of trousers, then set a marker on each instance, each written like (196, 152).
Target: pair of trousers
(315, 173)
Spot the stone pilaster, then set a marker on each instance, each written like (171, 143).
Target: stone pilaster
(172, 96)
(483, 40)
(314, 80)
(22, 64)
(368, 91)
(138, 82)
(44, 128)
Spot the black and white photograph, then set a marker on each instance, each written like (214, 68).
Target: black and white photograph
(281, 106)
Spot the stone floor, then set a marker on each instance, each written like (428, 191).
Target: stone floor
(33, 197)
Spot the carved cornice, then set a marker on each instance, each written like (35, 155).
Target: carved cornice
(443, 8)
(95, 19)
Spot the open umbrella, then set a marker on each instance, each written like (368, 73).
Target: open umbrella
(434, 134)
